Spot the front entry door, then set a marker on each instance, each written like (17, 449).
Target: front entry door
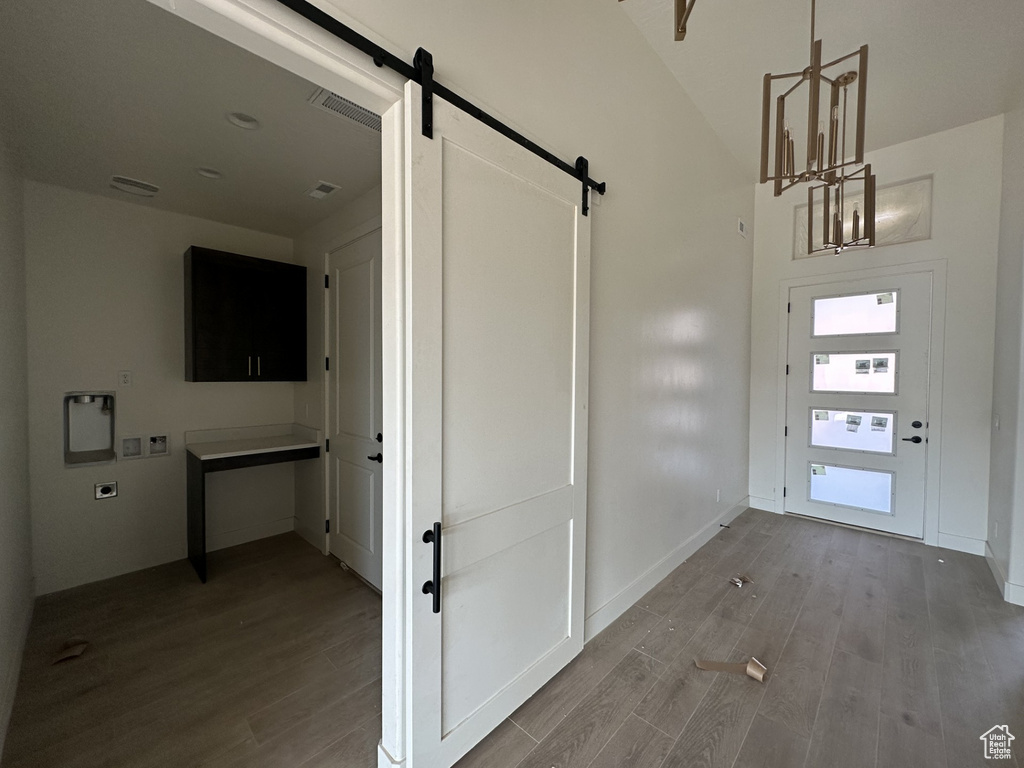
(857, 402)
(497, 336)
(354, 481)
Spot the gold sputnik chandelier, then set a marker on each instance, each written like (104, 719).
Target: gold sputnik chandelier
(841, 182)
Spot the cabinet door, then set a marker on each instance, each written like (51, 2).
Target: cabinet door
(278, 315)
(218, 329)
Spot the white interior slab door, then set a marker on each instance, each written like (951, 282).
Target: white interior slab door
(498, 298)
(354, 481)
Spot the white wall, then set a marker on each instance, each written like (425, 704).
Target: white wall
(1006, 492)
(671, 277)
(105, 294)
(310, 248)
(967, 166)
(15, 527)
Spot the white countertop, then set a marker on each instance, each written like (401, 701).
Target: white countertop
(249, 446)
(246, 441)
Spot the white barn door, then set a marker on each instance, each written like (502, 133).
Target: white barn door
(498, 296)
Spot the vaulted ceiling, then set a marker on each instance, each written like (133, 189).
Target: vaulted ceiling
(933, 64)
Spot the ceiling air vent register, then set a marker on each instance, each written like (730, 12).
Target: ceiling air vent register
(339, 105)
(133, 186)
(321, 189)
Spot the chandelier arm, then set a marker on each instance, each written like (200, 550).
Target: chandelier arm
(814, 106)
(862, 97)
(795, 86)
(841, 59)
(686, 15)
(799, 74)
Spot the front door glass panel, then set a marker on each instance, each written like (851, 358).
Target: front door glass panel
(857, 315)
(851, 487)
(867, 431)
(858, 372)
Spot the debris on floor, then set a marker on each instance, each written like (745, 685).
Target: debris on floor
(72, 649)
(740, 580)
(752, 668)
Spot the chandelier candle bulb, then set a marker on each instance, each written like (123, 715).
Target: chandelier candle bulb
(856, 224)
(821, 147)
(825, 240)
(833, 136)
(837, 228)
(786, 149)
(790, 165)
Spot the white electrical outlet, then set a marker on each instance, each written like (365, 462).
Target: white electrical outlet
(718, 495)
(124, 378)
(741, 228)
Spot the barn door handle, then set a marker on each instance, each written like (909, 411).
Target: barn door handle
(433, 587)
(379, 458)
(914, 439)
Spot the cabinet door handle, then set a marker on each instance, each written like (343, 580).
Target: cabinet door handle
(250, 365)
(258, 368)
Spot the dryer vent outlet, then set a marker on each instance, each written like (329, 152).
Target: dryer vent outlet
(106, 490)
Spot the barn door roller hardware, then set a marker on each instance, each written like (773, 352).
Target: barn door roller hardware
(422, 71)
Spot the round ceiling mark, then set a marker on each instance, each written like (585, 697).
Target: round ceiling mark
(209, 173)
(242, 120)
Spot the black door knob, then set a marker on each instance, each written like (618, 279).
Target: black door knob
(380, 437)
(380, 459)
(916, 424)
(914, 439)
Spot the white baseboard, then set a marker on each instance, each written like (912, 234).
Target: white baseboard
(9, 681)
(619, 604)
(962, 544)
(759, 502)
(1012, 593)
(215, 541)
(997, 572)
(314, 537)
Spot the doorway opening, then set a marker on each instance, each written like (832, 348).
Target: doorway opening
(140, 134)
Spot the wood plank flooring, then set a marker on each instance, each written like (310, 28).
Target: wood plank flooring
(274, 662)
(881, 652)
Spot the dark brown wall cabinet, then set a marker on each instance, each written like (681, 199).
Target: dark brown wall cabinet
(245, 318)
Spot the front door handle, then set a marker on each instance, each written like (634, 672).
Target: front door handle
(433, 587)
(914, 439)
(380, 459)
